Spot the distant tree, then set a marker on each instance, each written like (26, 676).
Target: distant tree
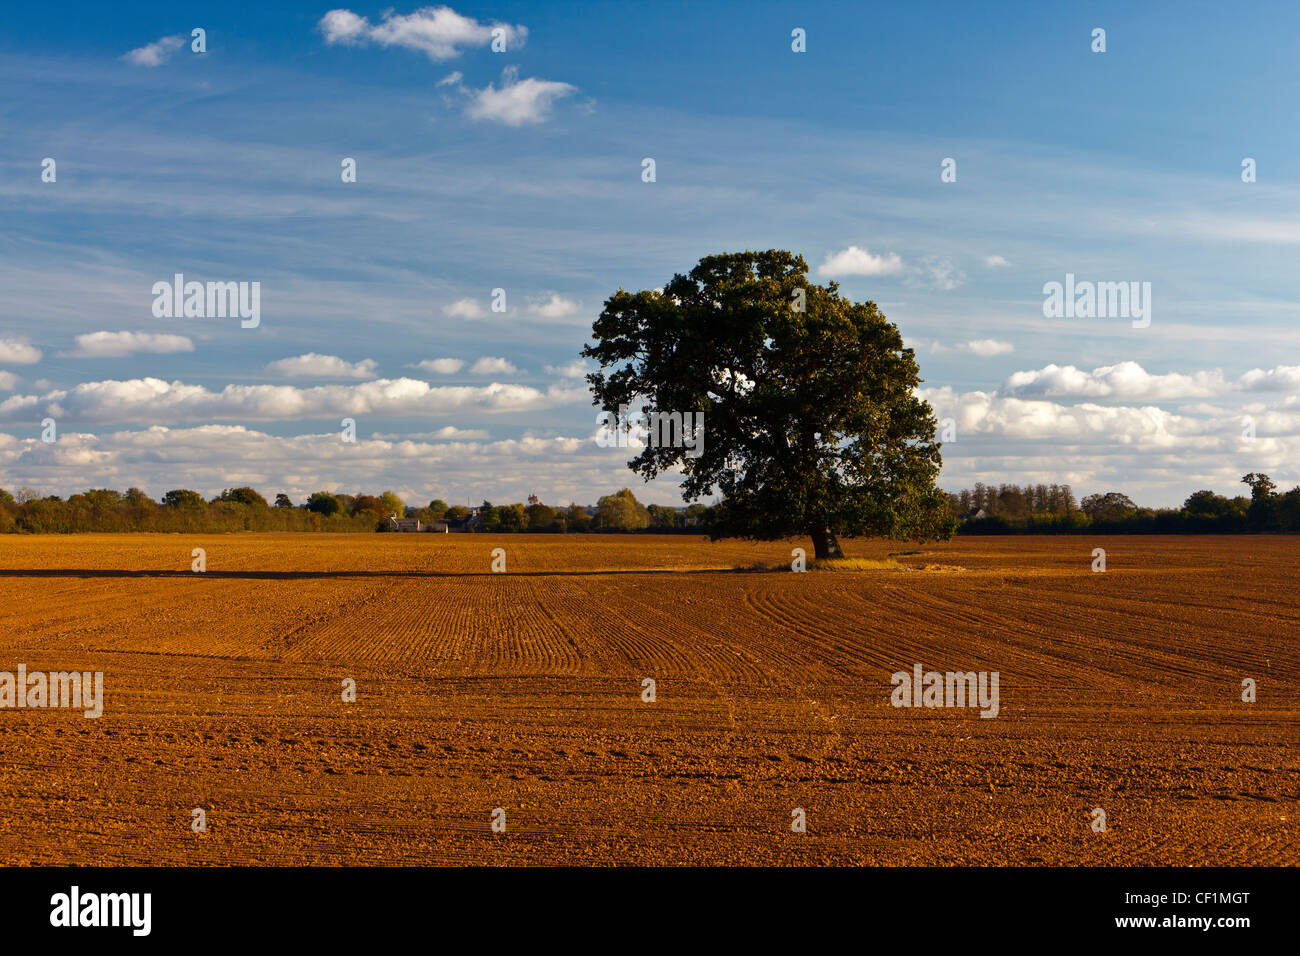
(512, 517)
(374, 508)
(183, 499)
(456, 514)
(103, 498)
(135, 498)
(1112, 506)
(1206, 504)
(661, 517)
(323, 503)
(578, 519)
(438, 507)
(488, 518)
(540, 517)
(26, 494)
(811, 414)
(282, 501)
(393, 505)
(1262, 515)
(243, 496)
(621, 512)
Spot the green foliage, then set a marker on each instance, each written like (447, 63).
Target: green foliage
(811, 421)
(242, 496)
(323, 503)
(393, 505)
(621, 512)
(183, 499)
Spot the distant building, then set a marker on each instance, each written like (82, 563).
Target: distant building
(975, 514)
(406, 524)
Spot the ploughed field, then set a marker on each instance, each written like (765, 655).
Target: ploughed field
(523, 691)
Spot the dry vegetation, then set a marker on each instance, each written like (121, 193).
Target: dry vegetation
(523, 690)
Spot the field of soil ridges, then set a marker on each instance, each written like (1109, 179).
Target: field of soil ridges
(523, 691)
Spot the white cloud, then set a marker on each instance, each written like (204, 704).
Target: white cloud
(855, 261)
(441, 366)
(156, 53)
(438, 32)
(575, 369)
(518, 101)
(446, 433)
(994, 262)
(8, 381)
(1125, 380)
(451, 79)
(151, 400)
(493, 366)
(122, 344)
(1283, 377)
(465, 309)
(454, 464)
(312, 365)
(986, 348)
(16, 352)
(556, 307)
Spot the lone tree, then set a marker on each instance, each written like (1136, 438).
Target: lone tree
(810, 414)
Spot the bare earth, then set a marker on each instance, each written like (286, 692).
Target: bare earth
(523, 691)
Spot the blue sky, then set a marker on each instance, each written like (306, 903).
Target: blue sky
(522, 170)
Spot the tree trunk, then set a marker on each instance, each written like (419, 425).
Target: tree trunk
(825, 544)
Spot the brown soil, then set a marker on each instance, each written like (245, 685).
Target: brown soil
(523, 691)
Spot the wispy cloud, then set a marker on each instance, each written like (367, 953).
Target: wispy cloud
(156, 53)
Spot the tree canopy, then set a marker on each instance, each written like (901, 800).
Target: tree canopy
(813, 424)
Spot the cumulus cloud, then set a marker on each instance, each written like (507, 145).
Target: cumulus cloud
(464, 309)
(8, 381)
(454, 464)
(493, 366)
(556, 307)
(156, 53)
(1125, 380)
(313, 365)
(17, 352)
(1284, 377)
(517, 102)
(994, 262)
(122, 344)
(440, 33)
(441, 366)
(153, 400)
(855, 261)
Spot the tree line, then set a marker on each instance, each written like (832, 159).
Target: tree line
(245, 509)
(1010, 508)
